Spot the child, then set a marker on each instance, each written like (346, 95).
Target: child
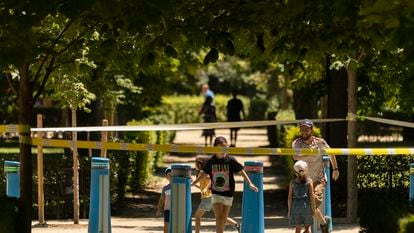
(221, 168)
(165, 200)
(205, 204)
(301, 201)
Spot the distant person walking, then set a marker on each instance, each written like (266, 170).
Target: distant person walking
(301, 201)
(205, 91)
(209, 115)
(205, 189)
(165, 200)
(316, 166)
(235, 109)
(221, 169)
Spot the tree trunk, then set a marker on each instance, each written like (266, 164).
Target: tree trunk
(337, 107)
(75, 172)
(352, 200)
(25, 115)
(305, 103)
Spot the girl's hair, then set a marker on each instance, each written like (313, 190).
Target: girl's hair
(200, 160)
(220, 140)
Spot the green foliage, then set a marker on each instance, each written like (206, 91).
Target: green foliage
(381, 172)
(294, 132)
(380, 210)
(142, 161)
(184, 109)
(257, 110)
(8, 214)
(407, 224)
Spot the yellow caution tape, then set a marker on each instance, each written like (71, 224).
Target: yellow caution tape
(14, 128)
(211, 150)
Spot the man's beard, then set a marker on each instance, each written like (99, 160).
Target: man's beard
(305, 136)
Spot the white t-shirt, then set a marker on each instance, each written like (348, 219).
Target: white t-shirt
(315, 162)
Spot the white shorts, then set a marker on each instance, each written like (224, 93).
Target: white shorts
(215, 198)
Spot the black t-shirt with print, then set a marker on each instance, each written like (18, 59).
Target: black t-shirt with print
(221, 172)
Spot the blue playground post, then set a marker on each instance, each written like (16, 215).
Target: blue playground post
(99, 209)
(180, 213)
(411, 194)
(12, 171)
(328, 209)
(253, 205)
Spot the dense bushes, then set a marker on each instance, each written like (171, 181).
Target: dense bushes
(8, 214)
(184, 109)
(383, 183)
(380, 210)
(407, 224)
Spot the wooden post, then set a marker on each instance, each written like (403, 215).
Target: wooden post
(40, 193)
(88, 138)
(104, 138)
(75, 171)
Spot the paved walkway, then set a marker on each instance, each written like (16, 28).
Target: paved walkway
(153, 225)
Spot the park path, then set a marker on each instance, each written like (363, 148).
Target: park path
(274, 193)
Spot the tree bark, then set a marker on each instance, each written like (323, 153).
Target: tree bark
(305, 103)
(25, 115)
(337, 107)
(75, 172)
(352, 199)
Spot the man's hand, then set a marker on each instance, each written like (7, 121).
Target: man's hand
(335, 174)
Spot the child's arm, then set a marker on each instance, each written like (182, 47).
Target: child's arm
(201, 175)
(312, 197)
(159, 206)
(290, 198)
(247, 179)
(205, 190)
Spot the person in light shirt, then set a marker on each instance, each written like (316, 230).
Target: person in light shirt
(315, 164)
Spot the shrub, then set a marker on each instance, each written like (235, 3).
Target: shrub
(142, 161)
(407, 224)
(8, 214)
(380, 210)
(184, 109)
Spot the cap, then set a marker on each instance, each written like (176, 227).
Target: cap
(306, 122)
(167, 170)
(300, 165)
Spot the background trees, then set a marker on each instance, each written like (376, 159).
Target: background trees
(132, 45)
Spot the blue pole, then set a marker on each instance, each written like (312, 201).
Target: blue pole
(100, 208)
(180, 213)
(328, 209)
(12, 170)
(253, 205)
(411, 195)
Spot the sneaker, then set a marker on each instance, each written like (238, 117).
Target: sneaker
(325, 227)
(237, 227)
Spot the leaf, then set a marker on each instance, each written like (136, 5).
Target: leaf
(212, 56)
(229, 47)
(170, 51)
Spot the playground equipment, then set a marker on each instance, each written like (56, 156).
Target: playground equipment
(253, 203)
(99, 209)
(180, 213)
(12, 170)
